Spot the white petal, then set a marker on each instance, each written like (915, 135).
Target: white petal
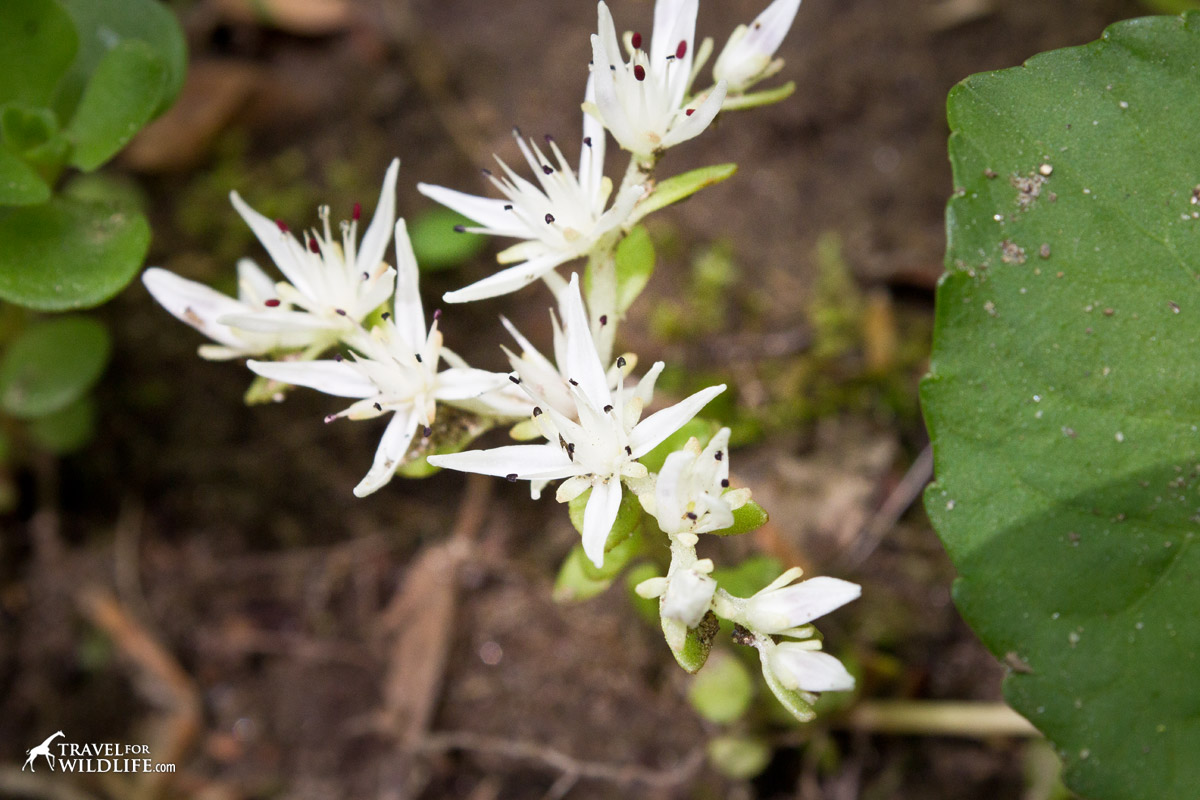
(463, 384)
(591, 152)
(196, 304)
(373, 249)
(598, 518)
(608, 103)
(688, 597)
(583, 362)
(409, 314)
(282, 247)
(337, 378)
(809, 670)
(254, 287)
(526, 461)
(506, 280)
(658, 426)
(487, 211)
(689, 127)
(390, 453)
(801, 603)
(674, 22)
(770, 27)
(275, 321)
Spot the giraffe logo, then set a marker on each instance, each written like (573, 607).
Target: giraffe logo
(42, 749)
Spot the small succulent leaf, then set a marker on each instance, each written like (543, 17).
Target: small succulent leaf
(573, 585)
(51, 365)
(696, 643)
(20, 185)
(37, 44)
(756, 99)
(723, 691)
(680, 187)
(635, 265)
(629, 516)
(750, 517)
(120, 98)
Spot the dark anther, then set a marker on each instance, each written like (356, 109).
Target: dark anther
(639, 72)
(356, 213)
(719, 455)
(366, 276)
(537, 411)
(547, 169)
(572, 381)
(437, 313)
(281, 225)
(377, 406)
(620, 361)
(636, 41)
(691, 515)
(516, 131)
(313, 246)
(341, 312)
(571, 450)
(549, 218)
(562, 442)
(427, 431)
(330, 418)
(511, 477)
(338, 357)
(690, 111)
(385, 316)
(514, 379)
(508, 206)
(604, 319)
(587, 140)
(272, 303)
(607, 409)
(460, 228)
(628, 450)
(419, 359)
(681, 49)
(487, 173)
(548, 138)
(725, 483)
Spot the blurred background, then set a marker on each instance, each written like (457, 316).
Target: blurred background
(199, 577)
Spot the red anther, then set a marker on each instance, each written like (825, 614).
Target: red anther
(636, 41)
(281, 225)
(357, 212)
(639, 72)
(313, 246)
(690, 111)
(272, 303)
(681, 49)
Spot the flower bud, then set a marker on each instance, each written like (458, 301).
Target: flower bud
(800, 668)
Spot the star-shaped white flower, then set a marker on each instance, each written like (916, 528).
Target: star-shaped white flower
(394, 369)
(780, 609)
(560, 218)
(747, 57)
(644, 102)
(331, 287)
(599, 448)
(691, 492)
(203, 308)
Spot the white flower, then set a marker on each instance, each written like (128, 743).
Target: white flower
(597, 449)
(689, 593)
(644, 102)
(747, 57)
(394, 369)
(801, 666)
(203, 307)
(690, 492)
(561, 218)
(780, 608)
(330, 287)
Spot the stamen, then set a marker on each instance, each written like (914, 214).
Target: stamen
(460, 228)
(511, 477)
(313, 246)
(437, 314)
(636, 40)
(419, 359)
(690, 111)
(587, 140)
(377, 406)
(681, 49)
(604, 319)
(427, 431)
(515, 379)
(338, 357)
(607, 409)
(547, 169)
(549, 219)
(549, 139)
(508, 207)
(283, 228)
(719, 455)
(628, 450)
(572, 381)
(356, 213)
(341, 312)
(537, 411)
(330, 418)
(366, 277)
(725, 483)
(620, 361)
(639, 72)
(571, 450)
(272, 303)
(385, 316)
(691, 515)
(516, 132)
(487, 173)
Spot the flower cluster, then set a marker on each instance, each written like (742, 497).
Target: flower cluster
(581, 419)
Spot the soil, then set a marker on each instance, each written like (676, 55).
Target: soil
(201, 578)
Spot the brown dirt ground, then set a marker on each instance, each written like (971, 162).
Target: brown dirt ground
(253, 628)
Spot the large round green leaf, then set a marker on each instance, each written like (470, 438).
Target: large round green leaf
(52, 365)
(1064, 397)
(69, 254)
(37, 44)
(120, 98)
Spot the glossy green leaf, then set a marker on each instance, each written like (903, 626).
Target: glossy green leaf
(437, 245)
(749, 576)
(750, 517)
(37, 45)
(635, 265)
(1063, 401)
(51, 365)
(573, 583)
(629, 514)
(19, 183)
(120, 98)
(68, 254)
(105, 24)
(66, 430)
(723, 690)
(680, 187)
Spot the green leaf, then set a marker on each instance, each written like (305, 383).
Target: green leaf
(1063, 403)
(19, 183)
(723, 691)
(702, 429)
(739, 757)
(37, 44)
(51, 365)
(68, 254)
(749, 576)
(437, 245)
(756, 99)
(106, 24)
(680, 187)
(66, 430)
(635, 265)
(629, 514)
(573, 584)
(120, 98)
(750, 517)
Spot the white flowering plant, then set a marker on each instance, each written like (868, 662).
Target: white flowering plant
(347, 319)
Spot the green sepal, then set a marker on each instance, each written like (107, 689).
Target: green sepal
(629, 514)
(750, 517)
(798, 704)
(635, 265)
(122, 95)
(756, 99)
(722, 693)
(51, 365)
(691, 646)
(680, 187)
